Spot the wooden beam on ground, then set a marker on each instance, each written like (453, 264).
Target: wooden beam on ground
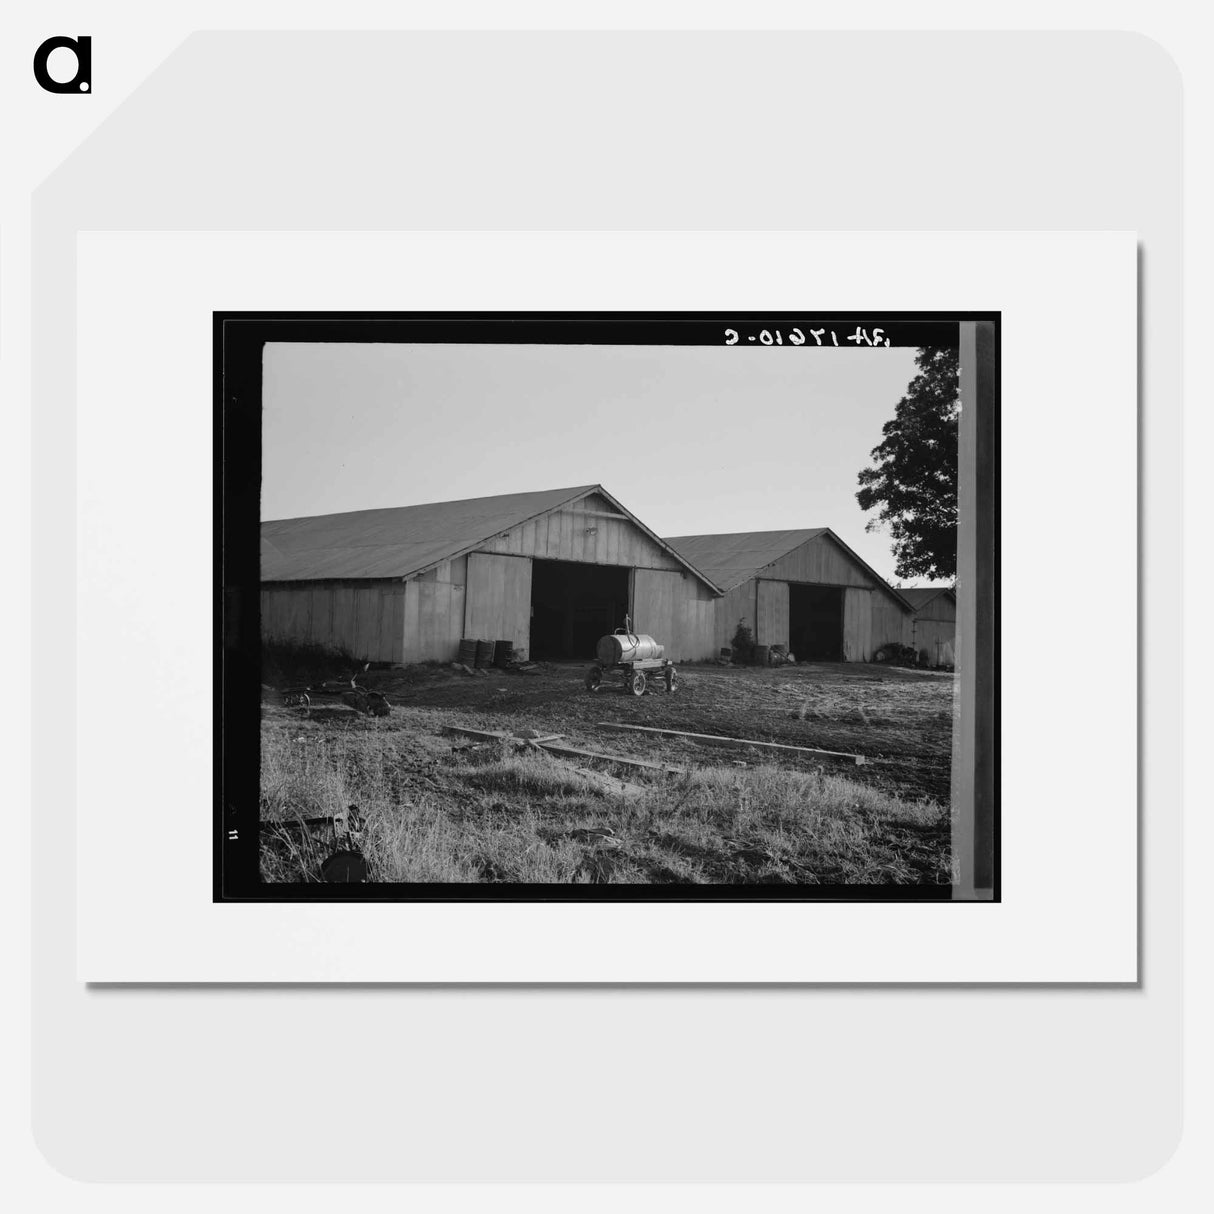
(497, 735)
(573, 752)
(482, 735)
(709, 739)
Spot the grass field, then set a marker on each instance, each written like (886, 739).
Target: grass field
(440, 808)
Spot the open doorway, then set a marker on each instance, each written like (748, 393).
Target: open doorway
(815, 622)
(572, 605)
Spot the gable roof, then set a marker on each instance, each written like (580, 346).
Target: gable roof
(736, 557)
(919, 596)
(401, 541)
(733, 559)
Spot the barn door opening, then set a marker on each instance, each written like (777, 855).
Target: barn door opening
(572, 605)
(815, 622)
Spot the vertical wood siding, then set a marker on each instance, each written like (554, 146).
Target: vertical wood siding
(434, 621)
(497, 605)
(737, 604)
(819, 560)
(940, 608)
(934, 641)
(890, 623)
(697, 634)
(677, 610)
(655, 594)
(857, 624)
(772, 613)
(366, 620)
(572, 534)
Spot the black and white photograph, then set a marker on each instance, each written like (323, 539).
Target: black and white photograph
(598, 606)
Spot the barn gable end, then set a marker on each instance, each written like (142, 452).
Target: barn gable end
(800, 588)
(547, 568)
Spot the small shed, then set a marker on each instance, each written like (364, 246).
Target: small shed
(549, 571)
(934, 627)
(804, 589)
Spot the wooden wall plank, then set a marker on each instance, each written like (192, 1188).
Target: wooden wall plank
(359, 618)
(818, 560)
(890, 623)
(498, 606)
(857, 624)
(771, 609)
(737, 604)
(935, 641)
(653, 607)
(367, 628)
(396, 627)
(940, 608)
(697, 621)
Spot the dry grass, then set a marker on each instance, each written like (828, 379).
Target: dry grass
(438, 812)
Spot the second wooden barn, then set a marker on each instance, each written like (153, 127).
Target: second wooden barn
(550, 572)
(934, 628)
(804, 589)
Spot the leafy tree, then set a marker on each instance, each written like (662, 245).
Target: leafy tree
(913, 484)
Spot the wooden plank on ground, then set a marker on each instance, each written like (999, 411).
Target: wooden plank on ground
(573, 752)
(708, 739)
(497, 735)
(484, 735)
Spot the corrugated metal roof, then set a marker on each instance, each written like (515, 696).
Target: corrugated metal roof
(731, 559)
(734, 558)
(397, 541)
(400, 541)
(920, 596)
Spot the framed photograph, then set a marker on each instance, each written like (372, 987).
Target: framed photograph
(465, 495)
(607, 606)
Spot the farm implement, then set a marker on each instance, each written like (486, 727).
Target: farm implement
(632, 660)
(335, 691)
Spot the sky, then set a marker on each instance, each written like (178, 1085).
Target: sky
(690, 439)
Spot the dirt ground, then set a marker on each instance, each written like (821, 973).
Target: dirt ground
(899, 720)
(443, 808)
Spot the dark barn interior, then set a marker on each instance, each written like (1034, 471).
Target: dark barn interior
(572, 605)
(815, 622)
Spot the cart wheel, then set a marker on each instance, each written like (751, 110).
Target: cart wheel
(672, 679)
(637, 683)
(594, 679)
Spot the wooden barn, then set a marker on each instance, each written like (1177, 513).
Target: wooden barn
(550, 572)
(934, 627)
(806, 590)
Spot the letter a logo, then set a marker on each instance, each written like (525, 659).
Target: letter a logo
(82, 81)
